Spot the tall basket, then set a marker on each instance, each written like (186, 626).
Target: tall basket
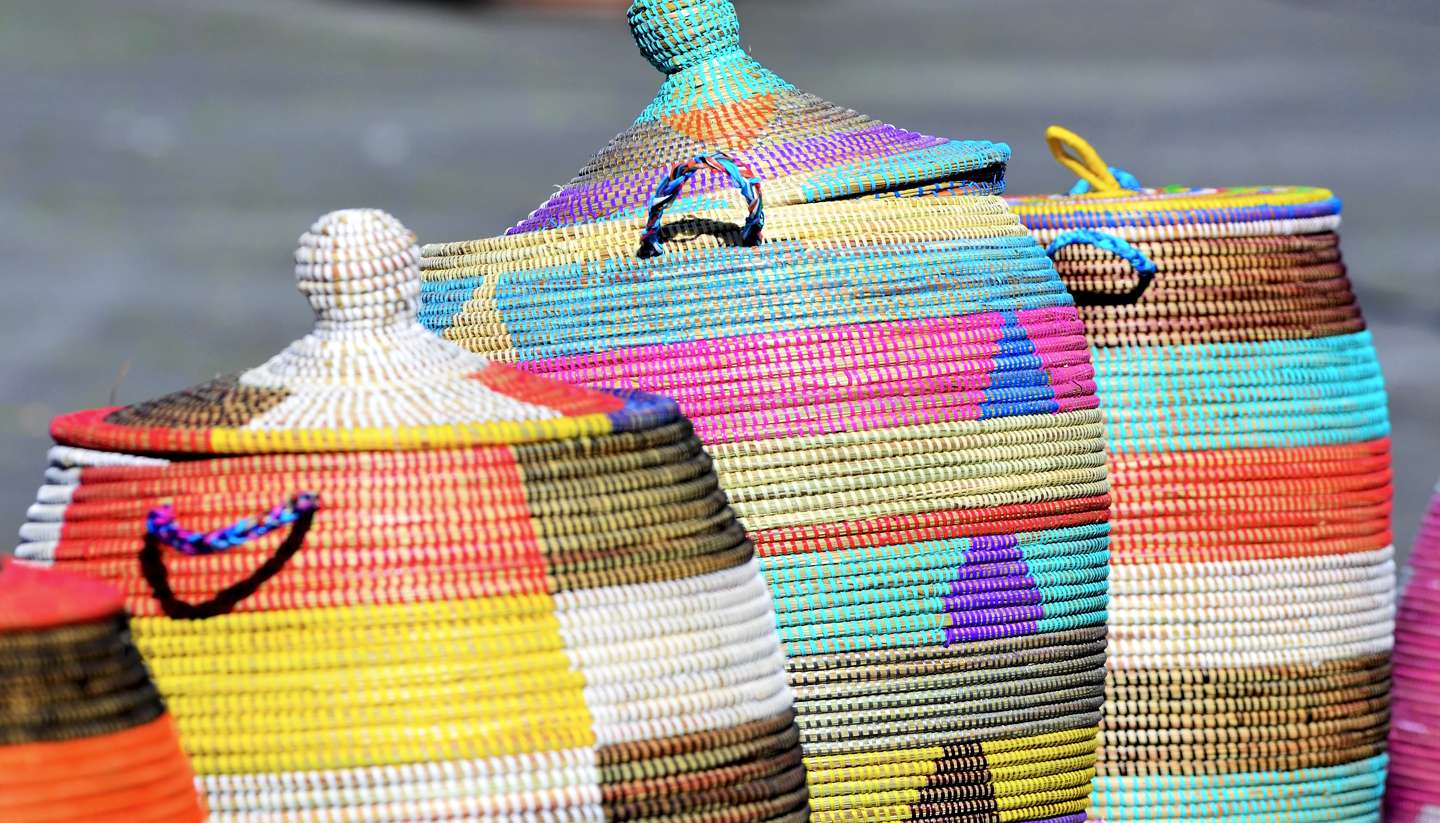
(1252, 619)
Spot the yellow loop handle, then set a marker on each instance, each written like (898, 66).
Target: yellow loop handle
(1074, 153)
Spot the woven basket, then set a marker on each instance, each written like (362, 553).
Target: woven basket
(1413, 791)
(1252, 619)
(901, 408)
(490, 596)
(84, 735)
(716, 98)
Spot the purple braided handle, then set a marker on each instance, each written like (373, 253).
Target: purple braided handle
(161, 525)
(666, 193)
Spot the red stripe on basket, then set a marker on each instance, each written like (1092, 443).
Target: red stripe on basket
(939, 525)
(569, 400)
(1250, 504)
(33, 599)
(442, 525)
(88, 428)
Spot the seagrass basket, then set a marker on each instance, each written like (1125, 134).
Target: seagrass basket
(1252, 573)
(84, 735)
(900, 405)
(455, 591)
(716, 98)
(1413, 792)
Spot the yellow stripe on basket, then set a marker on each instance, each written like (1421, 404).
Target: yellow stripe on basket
(348, 687)
(1234, 198)
(1008, 781)
(280, 751)
(1021, 749)
(499, 432)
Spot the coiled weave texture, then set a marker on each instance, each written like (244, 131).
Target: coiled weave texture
(1413, 791)
(716, 98)
(900, 406)
(1251, 626)
(491, 597)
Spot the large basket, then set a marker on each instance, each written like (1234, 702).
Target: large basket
(1413, 790)
(84, 735)
(901, 408)
(489, 595)
(1251, 625)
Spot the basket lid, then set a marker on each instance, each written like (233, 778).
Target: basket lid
(716, 98)
(368, 377)
(32, 599)
(1109, 197)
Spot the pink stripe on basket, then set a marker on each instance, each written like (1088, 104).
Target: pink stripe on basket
(848, 378)
(1415, 718)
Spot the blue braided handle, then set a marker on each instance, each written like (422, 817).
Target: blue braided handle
(669, 189)
(1143, 265)
(161, 525)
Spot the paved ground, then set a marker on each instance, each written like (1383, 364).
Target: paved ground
(156, 165)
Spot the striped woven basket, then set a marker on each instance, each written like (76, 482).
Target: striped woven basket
(899, 402)
(1413, 791)
(1253, 609)
(489, 596)
(716, 98)
(84, 735)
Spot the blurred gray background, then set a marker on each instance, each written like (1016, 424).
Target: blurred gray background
(158, 158)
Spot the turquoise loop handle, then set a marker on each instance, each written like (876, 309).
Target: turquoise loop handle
(669, 190)
(1126, 180)
(1143, 265)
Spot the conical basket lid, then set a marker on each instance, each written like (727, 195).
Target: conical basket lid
(716, 98)
(1110, 198)
(368, 377)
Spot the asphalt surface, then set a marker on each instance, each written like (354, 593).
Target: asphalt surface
(157, 163)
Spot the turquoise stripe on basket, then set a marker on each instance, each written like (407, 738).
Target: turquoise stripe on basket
(1349, 792)
(749, 291)
(1242, 395)
(950, 159)
(940, 592)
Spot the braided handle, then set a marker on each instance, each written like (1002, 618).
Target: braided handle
(162, 529)
(161, 525)
(669, 190)
(1076, 154)
(1143, 265)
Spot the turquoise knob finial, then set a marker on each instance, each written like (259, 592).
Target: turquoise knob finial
(677, 34)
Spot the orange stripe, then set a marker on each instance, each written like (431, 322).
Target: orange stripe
(570, 400)
(1250, 504)
(126, 777)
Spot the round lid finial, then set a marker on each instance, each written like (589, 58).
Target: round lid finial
(359, 267)
(677, 34)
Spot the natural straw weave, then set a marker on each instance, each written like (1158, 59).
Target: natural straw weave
(900, 405)
(716, 98)
(1413, 791)
(494, 597)
(1251, 626)
(84, 735)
